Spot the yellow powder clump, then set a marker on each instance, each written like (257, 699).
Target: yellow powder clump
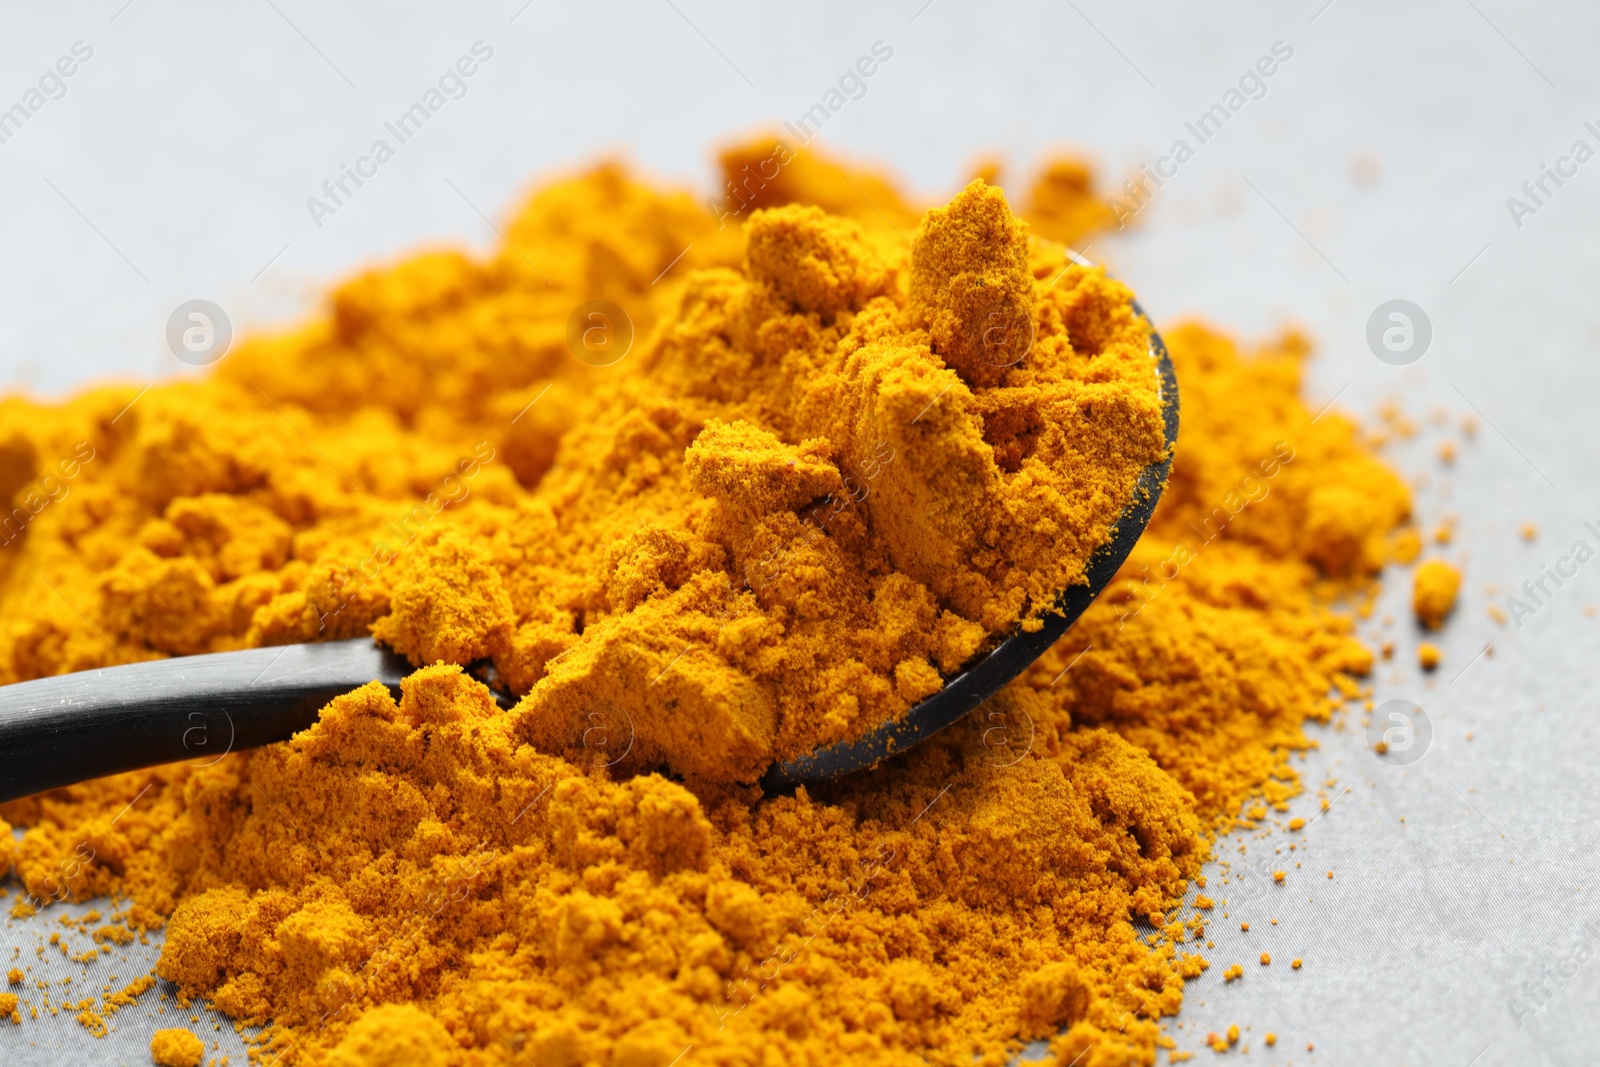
(8, 851)
(794, 507)
(1433, 592)
(177, 1047)
(8, 1008)
(1063, 204)
(1406, 545)
(394, 1035)
(970, 285)
(767, 172)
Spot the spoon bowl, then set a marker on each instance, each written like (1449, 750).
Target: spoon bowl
(996, 669)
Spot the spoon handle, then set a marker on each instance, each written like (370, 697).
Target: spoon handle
(72, 727)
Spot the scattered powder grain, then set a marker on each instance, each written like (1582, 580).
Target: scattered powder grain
(1407, 545)
(434, 880)
(1434, 587)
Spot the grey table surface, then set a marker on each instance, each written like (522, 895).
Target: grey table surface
(1375, 164)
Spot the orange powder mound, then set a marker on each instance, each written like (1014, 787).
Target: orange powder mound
(177, 1047)
(1063, 204)
(1433, 592)
(1217, 637)
(434, 880)
(767, 172)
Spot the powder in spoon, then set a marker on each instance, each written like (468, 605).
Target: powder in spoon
(852, 486)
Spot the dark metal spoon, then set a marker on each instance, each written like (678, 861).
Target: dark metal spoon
(73, 727)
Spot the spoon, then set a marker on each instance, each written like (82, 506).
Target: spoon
(72, 727)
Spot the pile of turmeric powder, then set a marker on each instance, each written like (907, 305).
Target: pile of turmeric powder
(838, 469)
(438, 881)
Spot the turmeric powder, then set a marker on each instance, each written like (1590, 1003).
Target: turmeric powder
(835, 473)
(1062, 204)
(434, 880)
(176, 1047)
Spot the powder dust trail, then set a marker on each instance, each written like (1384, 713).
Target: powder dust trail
(813, 515)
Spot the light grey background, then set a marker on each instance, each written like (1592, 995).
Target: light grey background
(178, 164)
